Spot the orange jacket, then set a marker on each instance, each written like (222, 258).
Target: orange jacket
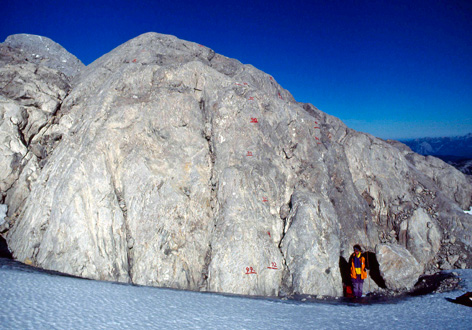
(353, 269)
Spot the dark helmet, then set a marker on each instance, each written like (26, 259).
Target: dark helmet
(357, 247)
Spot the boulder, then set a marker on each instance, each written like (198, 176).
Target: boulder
(398, 266)
(420, 235)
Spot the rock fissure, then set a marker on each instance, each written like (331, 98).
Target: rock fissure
(286, 284)
(128, 238)
(208, 135)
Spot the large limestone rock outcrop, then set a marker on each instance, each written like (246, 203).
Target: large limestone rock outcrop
(35, 77)
(175, 166)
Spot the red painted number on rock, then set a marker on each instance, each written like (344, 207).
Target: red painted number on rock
(273, 265)
(250, 270)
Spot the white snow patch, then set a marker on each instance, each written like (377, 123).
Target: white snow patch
(470, 211)
(3, 213)
(34, 300)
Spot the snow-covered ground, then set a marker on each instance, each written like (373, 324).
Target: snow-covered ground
(36, 300)
(470, 211)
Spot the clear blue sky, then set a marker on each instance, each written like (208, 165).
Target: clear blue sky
(395, 69)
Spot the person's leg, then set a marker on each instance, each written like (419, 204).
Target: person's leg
(360, 285)
(355, 287)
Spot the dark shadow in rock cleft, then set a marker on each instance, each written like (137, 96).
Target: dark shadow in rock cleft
(374, 271)
(4, 251)
(371, 263)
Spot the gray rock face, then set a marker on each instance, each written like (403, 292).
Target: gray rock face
(35, 77)
(20, 48)
(420, 235)
(169, 165)
(30, 97)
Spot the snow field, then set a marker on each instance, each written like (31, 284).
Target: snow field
(36, 300)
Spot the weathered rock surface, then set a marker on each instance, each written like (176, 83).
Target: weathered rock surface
(398, 267)
(166, 164)
(31, 92)
(420, 235)
(21, 48)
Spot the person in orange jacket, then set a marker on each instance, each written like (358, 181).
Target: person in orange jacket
(358, 272)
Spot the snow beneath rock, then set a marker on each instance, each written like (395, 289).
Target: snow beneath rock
(470, 211)
(32, 299)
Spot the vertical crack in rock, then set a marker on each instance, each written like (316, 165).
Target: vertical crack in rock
(21, 135)
(129, 239)
(208, 132)
(285, 216)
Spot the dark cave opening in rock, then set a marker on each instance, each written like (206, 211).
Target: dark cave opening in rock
(4, 251)
(374, 271)
(371, 264)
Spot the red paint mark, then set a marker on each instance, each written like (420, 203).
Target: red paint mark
(245, 84)
(201, 46)
(250, 270)
(268, 233)
(317, 138)
(254, 120)
(316, 122)
(134, 61)
(273, 265)
(317, 127)
(238, 84)
(280, 96)
(319, 143)
(271, 78)
(251, 98)
(249, 153)
(264, 199)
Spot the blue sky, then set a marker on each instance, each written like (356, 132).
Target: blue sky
(395, 69)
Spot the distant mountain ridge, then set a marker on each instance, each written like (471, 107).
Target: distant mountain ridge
(456, 151)
(457, 146)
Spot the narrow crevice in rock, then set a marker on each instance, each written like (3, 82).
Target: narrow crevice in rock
(21, 135)
(208, 132)
(129, 239)
(285, 215)
(205, 274)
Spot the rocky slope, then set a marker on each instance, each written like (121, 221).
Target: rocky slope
(163, 163)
